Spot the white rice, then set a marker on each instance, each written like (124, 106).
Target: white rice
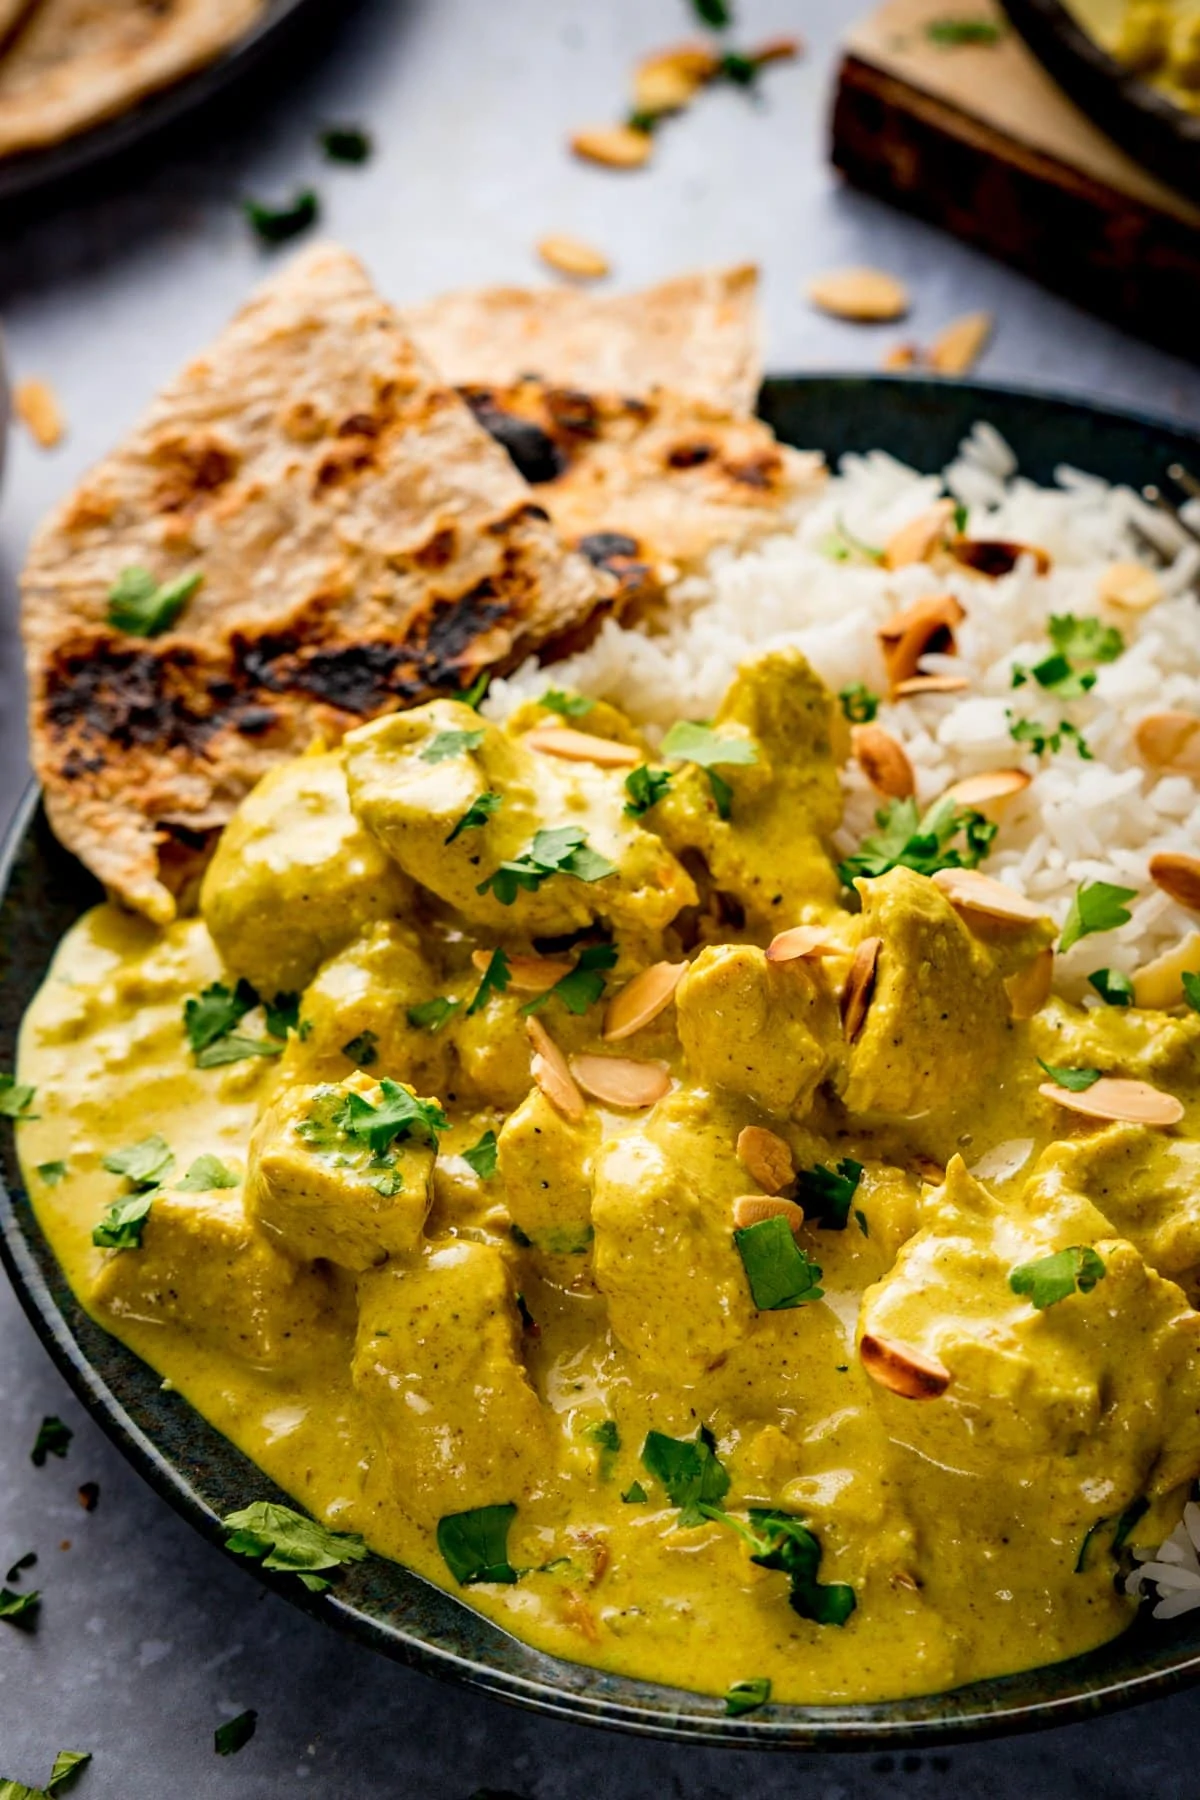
(1078, 820)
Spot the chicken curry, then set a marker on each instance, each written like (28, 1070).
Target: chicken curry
(714, 1266)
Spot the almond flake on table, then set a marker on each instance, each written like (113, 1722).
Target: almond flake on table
(613, 146)
(958, 346)
(39, 411)
(572, 256)
(865, 296)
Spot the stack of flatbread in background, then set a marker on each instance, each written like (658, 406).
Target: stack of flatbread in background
(367, 534)
(66, 65)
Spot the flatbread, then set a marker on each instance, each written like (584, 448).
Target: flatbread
(698, 336)
(646, 488)
(363, 543)
(11, 13)
(77, 62)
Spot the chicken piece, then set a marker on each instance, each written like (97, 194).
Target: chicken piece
(546, 1165)
(938, 1017)
(361, 998)
(1144, 37)
(295, 877)
(769, 862)
(1121, 1040)
(414, 778)
(665, 1261)
(323, 1193)
(203, 1273)
(768, 1030)
(437, 1360)
(1146, 1185)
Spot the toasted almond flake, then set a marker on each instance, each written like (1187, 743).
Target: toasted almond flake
(989, 789)
(916, 541)
(1170, 740)
(803, 941)
(613, 146)
(752, 1209)
(864, 295)
(621, 1080)
(1177, 875)
(995, 557)
(883, 761)
(902, 1369)
(860, 985)
(930, 1171)
(527, 974)
(38, 410)
(1112, 1097)
(578, 1615)
(969, 891)
(1159, 984)
(900, 356)
(1130, 585)
(927, 625)
(1029, 989)
(917, 685)
(959, 345)
(580, 746)
(548, 1067)
(668, 80)
(641, 1000)
(571, 256)
(766, 1157)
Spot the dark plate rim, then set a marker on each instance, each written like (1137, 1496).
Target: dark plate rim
(557, 1688)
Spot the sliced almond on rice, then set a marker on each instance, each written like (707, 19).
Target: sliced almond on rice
(580, 746)
(668, 80)
(1159, 984)
(902, 1369)
(752, 1209)
(38, 409)
(916, 685)
(1130, 585)
(867, 296)
(571, 256)
(989, 789)
(767, 1157)
(613, 146)
(802, 941)
(860, 985)
(969, 891)
(548, 1067)
(527, 974)
(915, 631)
(995, 557)
(1177, 875)
(1171, 741)
(620, 1080)
(1118, 1100)
(641, 1000)
(883, 761)
(959, 345)
(1029, 989)
(916, 541)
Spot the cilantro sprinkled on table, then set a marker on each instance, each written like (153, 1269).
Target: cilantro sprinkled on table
(584, 985)
(19, 1609)
(1097, 906)
(280, 1538)
(716, 14)
(53, 1439)
(277, 224)
(235, 1734)
(1052, 1278)
(22, 1563)
(346, 143)
(447, 744)
(474, 1544)
(780, 1274)
(564, 850)
(477, 814)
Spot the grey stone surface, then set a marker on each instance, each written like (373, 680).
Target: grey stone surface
(148, 1639)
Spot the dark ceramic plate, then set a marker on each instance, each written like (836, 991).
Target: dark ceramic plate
(1144, 121)
(204, 1477)
(38, 169)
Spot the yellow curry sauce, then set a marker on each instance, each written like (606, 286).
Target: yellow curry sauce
(397, 1337)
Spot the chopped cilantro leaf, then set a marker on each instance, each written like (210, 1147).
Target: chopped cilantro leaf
(1113, 988)
(859, 704)
(477, 814)
(634, 1495)
(205, 1175)
(474, 695)
(280, 1538)
(702, 745)
(528, 1322)
(387, 1182)
(1097, 906)
(346, 143)
(474, 1544)
(1076, 1080)
(142, 607)
(400, 1114)
(825, 1194)
(495, 980)
(276, 224)
(716, 14)
(583, 986)
(722, 794)
(950, 33)
(924, 842)
(362, 1050)
(22, 1563)
(431, 1015)
(445, 744)
(788, 1545)
(747, 1696)
(282, 1014)
(568, 706)
(860, 1219)
(689, 1469)
(52, 1172)
(1191, 990)
(67, 1764)
(780, 1274)
(607, 1434)
(19, 1609)
(235, 1734)
(16, 1097)
(1052, 1278)
(482, 1156)
(645, 787)
(53, 1439)
(1058, 677)
(870, 552)
(962, 517)
(1137, 1509)
(741, 70)
(216, 1012)
(236, 1048)
(123, 1223)
(1040, 738)
(561, 851)
(144, 1163)
(1085, 640)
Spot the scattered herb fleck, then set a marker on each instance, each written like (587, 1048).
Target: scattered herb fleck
(235, 1734)
(482, 1156)
(477, 814)
(474, 695)
(22, 1563)
(645, 787)
(951, 33)
(52, 1172)
(431, 1015)
(346, 144)
(584, 985)
(716, 14)
(53, 1439)
(1077, 1081)
(1191, 990)
(568, 706)
(143, 1164)
(859, 704)
(1113, 988)
(1052, 1278)
(276, 224)
(689, 1469)
(1097, 906)
(362, 1050)
(19, 1609)
(446, 744)
(496, 978)
(780, 1274)
(634, 1495)
(474, 1544)
(1041, 738)
(16, 1097)
(140, 606)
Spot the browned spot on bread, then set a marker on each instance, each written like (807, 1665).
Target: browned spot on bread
(191, 470)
